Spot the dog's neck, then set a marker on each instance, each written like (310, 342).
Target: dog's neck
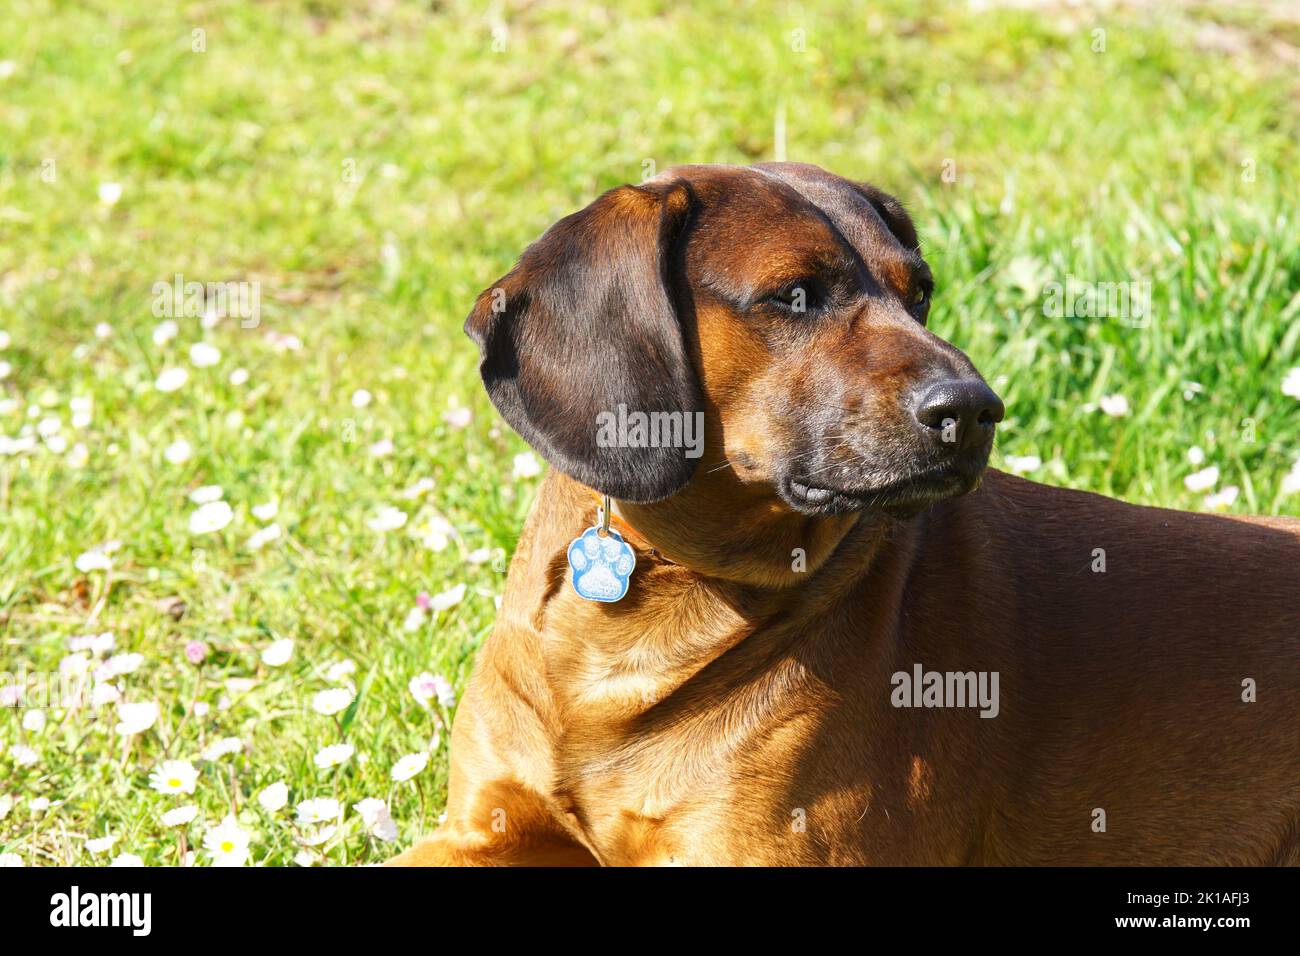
(723, 528)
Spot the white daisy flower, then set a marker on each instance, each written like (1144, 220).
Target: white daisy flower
(1196, 455)
(374, 813)
(423, 687)
(101, 844)
(95, 643)
(435, 533)
(526, 465)
(38, 804)
(266, 511)
(93, 560)
(447, 599)
(204, 355)
(274, 797)
(1291, 482)
(239, 376)
(117, 665)
(1202, 480)
(127, 859)
(174, 776)
(82, 407)
(421, 487)
(1223, 499)
(181, 816)
(382, 448)
(361, 398)
(321, 810)
(206, 494)
(1291, 383)
(227, 843)
(171, 379)
(222, 748)
(136, 718)
(1116, 406)
(1023, 464)
(446, 693)
(277, 653)
(334, 755)
(104, 694)
(315, 836)
(110, 193)
(211, 517)
(74, 665)
(22, 755)
(165, 331)
(409, 766)
(178, 452)
(332, 701)
(34, 721)
(103, 330)
(479, 556)
(415, 619)
(341, 671)
(259, 539)
(387, 519)
(457, 418)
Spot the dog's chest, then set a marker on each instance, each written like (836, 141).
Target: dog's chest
(690, 735)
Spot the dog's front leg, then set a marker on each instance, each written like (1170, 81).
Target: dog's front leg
(449, 848)
(502, 824)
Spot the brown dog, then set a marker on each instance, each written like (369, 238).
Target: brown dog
(763, 693)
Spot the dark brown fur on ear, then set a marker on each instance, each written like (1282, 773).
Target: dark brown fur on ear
(895, 216)
(586, 322)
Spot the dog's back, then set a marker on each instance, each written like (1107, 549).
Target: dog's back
(1150, 664)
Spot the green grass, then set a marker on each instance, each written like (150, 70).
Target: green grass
(1161, 159)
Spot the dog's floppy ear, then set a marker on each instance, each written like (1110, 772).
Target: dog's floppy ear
(586, 322)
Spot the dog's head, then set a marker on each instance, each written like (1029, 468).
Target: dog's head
(780, 304)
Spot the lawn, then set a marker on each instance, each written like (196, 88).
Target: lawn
(265, 547)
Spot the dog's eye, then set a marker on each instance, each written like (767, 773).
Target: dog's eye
(919, 301)
(802, 296)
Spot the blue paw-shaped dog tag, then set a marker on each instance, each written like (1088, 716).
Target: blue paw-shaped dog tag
(602, 565)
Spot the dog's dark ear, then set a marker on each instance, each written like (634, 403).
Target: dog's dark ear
(586, 322)
(893, 213)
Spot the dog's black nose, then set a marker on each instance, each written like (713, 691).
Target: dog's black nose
(960, 413)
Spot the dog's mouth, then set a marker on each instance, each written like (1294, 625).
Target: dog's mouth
(902, 497)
